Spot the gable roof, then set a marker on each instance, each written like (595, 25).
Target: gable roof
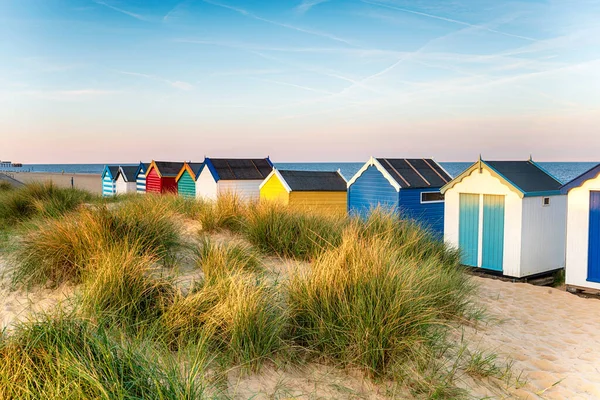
(112, 170)
(309, 181)
(526, 177)
(408, 173)
(166, 169)
(239, 168)
(129, 173)
(142, 168)
(193, 169)
(581, 179)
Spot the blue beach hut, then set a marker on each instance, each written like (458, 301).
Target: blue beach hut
(109, 176)
(140, 177)
(408, 186)
(582, 269)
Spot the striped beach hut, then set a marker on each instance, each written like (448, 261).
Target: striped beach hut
(508, 217)
(238, 176)
(160, 176)
(109, 175)
(125, 180)
(140, 177)
(409, 186)
(318, 190)
(186, 179)
(582, 269)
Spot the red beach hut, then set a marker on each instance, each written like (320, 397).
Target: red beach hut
(160, 177)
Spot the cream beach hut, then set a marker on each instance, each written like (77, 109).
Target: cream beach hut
(508, 217)
(238, 176)
(125, 181)
(582, 267)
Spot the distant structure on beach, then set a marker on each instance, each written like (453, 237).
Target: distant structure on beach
(318, 190)
(508, 217)
(125, 180)
(10, 164)
(109, 176)
(239, 176)
(582, 269)
(187, 177)
(408, 186)
(160, 176)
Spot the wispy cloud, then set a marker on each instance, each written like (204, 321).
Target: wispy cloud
(281, 24)
(306, 5)
(68, 95)
(172, 13)
(122, 11)
(307, 88)
(454, 21)
(176, 84)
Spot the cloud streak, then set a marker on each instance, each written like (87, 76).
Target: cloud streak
(280, 24)
(454, 21)
(175, 84)
(122, 11)
(306, 5)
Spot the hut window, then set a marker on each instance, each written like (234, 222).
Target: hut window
(545, 201)
(432, 197)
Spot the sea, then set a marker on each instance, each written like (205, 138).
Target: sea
(563, 171)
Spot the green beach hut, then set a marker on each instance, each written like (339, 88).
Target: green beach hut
(186, 179)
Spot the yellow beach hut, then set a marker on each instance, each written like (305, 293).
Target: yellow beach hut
(319, 190)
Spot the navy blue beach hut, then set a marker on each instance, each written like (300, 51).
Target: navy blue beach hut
(109, 176)
(140, 177)
(410, 187)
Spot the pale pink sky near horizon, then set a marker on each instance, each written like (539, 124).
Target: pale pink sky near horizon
(119, 81)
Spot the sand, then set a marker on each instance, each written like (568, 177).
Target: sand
(552, 336)
(89, 182)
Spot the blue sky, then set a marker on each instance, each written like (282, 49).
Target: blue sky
(333, 80)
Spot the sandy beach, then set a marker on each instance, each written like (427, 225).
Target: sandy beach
(89, 182)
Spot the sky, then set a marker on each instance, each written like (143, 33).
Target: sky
(106, 81)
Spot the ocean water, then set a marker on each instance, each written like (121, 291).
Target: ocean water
(563, 171)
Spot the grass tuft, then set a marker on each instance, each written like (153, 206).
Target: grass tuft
(220, 259)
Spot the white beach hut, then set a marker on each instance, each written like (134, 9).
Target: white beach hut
(508, 217)
(241, 177)
(125, 181)
(583, 231)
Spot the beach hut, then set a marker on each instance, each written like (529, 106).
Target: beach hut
(140, 177)
(186, 179)
(109, 175)
(508, 217)
(408, 186)
(160, 176)
(319, 190)
(125, 180)
(238, 176)
(582, 267)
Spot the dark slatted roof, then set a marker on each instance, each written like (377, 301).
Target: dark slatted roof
(196, 168)
(242, 168)
(415, 173)
(168, 169)
(129, 172)
(114, 169)
(526, 175)
(318, 181)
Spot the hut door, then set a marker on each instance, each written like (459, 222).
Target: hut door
(468, 229)
(493, 232)
(594, 238)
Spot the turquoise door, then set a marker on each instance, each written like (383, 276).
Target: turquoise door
(594, 239)
(468, 229)
(493, 232)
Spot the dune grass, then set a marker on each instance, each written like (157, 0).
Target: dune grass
(39, 199)
(54, 251)
(368, 303)
(64, 357)
(121, 288)
(381, 294)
